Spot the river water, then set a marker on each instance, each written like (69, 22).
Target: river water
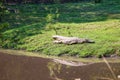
(13, 67)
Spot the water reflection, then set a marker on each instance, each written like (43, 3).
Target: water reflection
(96, 71)
(35, 68)
(54, 69)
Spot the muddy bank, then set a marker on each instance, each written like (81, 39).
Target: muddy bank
(14, 67)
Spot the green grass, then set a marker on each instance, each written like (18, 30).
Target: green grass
(99, 22)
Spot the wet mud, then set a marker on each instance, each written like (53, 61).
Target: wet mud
(13, 67)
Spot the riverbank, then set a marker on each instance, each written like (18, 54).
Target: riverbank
(31, 30)
(64, 58)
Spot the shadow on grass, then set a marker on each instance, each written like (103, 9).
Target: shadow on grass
(89, 12)
(13, 37)
(30, 19)
(68, 13)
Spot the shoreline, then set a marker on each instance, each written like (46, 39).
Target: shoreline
(66, 58)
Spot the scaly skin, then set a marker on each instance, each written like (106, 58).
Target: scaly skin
(70, 40)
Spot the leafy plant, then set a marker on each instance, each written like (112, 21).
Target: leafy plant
(3, 24)
(52, 18)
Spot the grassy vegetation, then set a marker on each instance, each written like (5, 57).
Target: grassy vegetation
(99, 22)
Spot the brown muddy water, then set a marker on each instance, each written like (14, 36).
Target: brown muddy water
(13, 67)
